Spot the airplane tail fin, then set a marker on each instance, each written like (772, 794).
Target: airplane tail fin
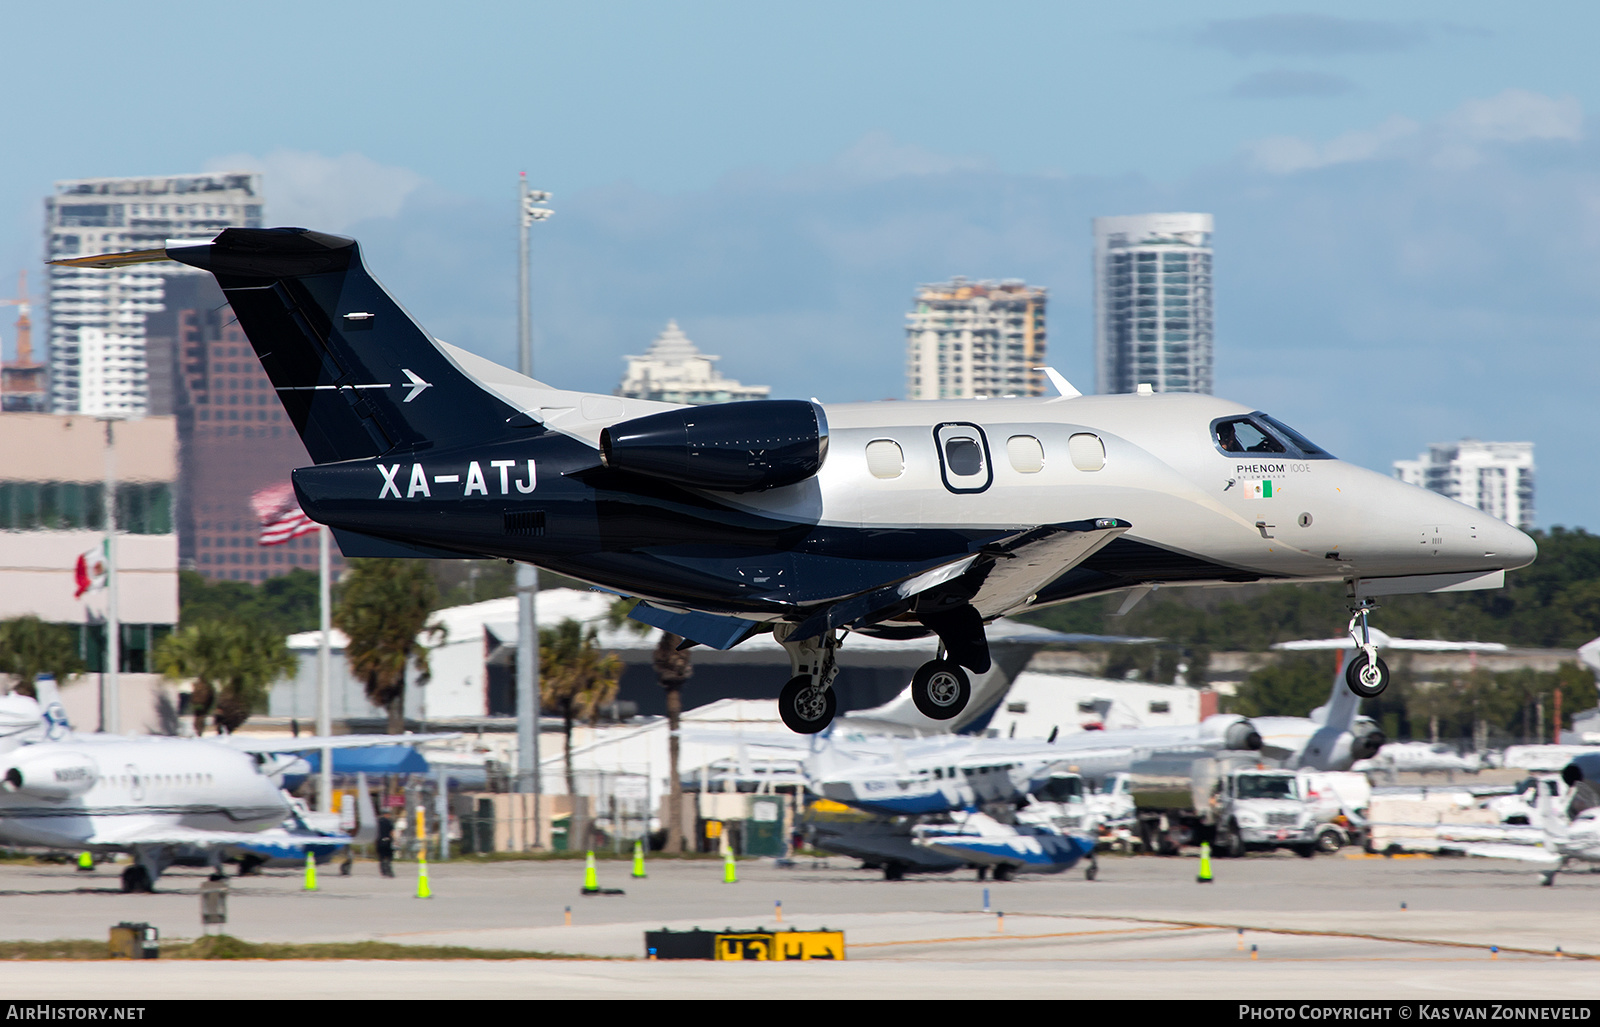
(1343, 705)
(357, 376)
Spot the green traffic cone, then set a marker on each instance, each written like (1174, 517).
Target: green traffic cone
(729, 874)
(1204, 877)
(591, 877)
(423, 892)
(85, 862)
(311, 871)
(638, 859)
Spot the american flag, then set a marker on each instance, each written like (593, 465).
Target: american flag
(280, 515)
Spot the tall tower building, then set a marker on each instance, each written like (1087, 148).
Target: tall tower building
(1152, 303)
(1495, 477)
(968, 339)
(96, 331)
(673, 370)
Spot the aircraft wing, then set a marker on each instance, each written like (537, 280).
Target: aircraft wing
(1385, 641)
(306, 743)
(171, 834)
(1037, 557)
(1526, 853)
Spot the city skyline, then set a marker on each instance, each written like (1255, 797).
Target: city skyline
(1387, 184)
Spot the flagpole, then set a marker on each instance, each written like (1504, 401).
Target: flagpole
(324, 671)
(110, 683)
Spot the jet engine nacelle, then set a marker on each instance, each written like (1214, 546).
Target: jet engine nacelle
(51, 775)
(728, 447)
(1236, 732)
(1367, 738)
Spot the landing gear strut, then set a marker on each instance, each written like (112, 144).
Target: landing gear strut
(807, 702)
(1366, 673)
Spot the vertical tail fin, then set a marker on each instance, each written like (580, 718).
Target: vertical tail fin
(356, 374)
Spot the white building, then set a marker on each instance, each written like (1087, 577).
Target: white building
(968, 339)
(1040, 705)
(1153, 303)
(1495, 477)
(96, 317)
(673, 370)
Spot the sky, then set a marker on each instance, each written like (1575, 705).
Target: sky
(1407, 197)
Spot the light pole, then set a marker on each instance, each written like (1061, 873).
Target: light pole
(529, 210)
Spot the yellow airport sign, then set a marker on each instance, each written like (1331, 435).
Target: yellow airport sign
(780, 945)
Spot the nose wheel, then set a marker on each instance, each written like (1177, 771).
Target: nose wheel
(1366, 674)
(940, 689)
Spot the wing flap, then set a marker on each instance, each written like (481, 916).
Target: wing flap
(1037, 557)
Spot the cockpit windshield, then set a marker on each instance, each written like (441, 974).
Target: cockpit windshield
(1259, 433)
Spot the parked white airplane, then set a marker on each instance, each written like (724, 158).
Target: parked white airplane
(1566, 841)
(155, 797)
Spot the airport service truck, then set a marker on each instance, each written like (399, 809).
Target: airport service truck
(1233, 802)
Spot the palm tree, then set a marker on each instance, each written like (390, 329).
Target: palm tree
(232, 664)
(383, 610)
(30, 648)
(576, 678)
(673, 667)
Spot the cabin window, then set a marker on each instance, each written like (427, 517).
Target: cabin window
(885, 459)
(1026, 453)
(1160, 707)
(1088, 453)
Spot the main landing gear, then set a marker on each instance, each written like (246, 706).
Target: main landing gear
(807, 702)
(1366, 674)
(940, 689)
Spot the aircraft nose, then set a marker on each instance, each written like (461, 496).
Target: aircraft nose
(1510, 546)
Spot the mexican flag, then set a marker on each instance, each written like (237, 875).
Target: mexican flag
(91, 570)
(1263, 489)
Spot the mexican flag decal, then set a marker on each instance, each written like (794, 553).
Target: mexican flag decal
(1263, 489)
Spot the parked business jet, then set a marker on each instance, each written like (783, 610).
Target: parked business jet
(806, 519)
(155, 797)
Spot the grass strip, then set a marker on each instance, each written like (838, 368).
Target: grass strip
(223, 946)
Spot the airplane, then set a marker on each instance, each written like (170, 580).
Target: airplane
(1335, 735)
(805, 519)
(1035, 842)
(158, 798)
(1568, 838)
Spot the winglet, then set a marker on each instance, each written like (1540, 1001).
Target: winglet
(1059, 380)
(110, 260)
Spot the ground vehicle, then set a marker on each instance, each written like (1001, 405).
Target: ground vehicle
(1236, 804)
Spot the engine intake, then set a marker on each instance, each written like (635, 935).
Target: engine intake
(728, 447)
(1242, 736)
(1369, 738)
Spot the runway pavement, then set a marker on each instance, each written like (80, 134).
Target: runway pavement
(1323, 928)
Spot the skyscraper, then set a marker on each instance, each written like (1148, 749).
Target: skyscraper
(673, 370)
(1495, 477)
(96, 317)
(967, 339)
(1152, 303)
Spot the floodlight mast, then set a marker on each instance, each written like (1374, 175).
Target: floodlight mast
(528, 778)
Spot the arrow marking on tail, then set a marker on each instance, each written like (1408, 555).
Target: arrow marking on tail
(415, 384)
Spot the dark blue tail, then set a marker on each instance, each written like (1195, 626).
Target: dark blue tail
(357, 376)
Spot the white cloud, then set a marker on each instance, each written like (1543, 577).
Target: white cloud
(1456, 140)
(877, 156)
(331, 194)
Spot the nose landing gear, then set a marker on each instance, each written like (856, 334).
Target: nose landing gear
(1366, 674)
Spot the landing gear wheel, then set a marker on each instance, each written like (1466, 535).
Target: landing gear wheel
(1003, 871)
(940, 689)
(136, 879)
(1092, 870)
(1368, 680)
(806, 709)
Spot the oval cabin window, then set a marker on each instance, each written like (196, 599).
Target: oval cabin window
(1087, 451)
(885, 458)
(1026, 453)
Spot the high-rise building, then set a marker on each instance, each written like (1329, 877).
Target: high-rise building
(97, 356)
(24, 382)
(673, 370)
(1495, 477)
(233, 437)
(968, 339)
(1152, 303)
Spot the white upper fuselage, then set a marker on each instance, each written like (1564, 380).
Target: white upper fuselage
(1163, 472)
(132, 786)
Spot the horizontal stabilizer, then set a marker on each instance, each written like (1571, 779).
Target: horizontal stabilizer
(355, 545)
